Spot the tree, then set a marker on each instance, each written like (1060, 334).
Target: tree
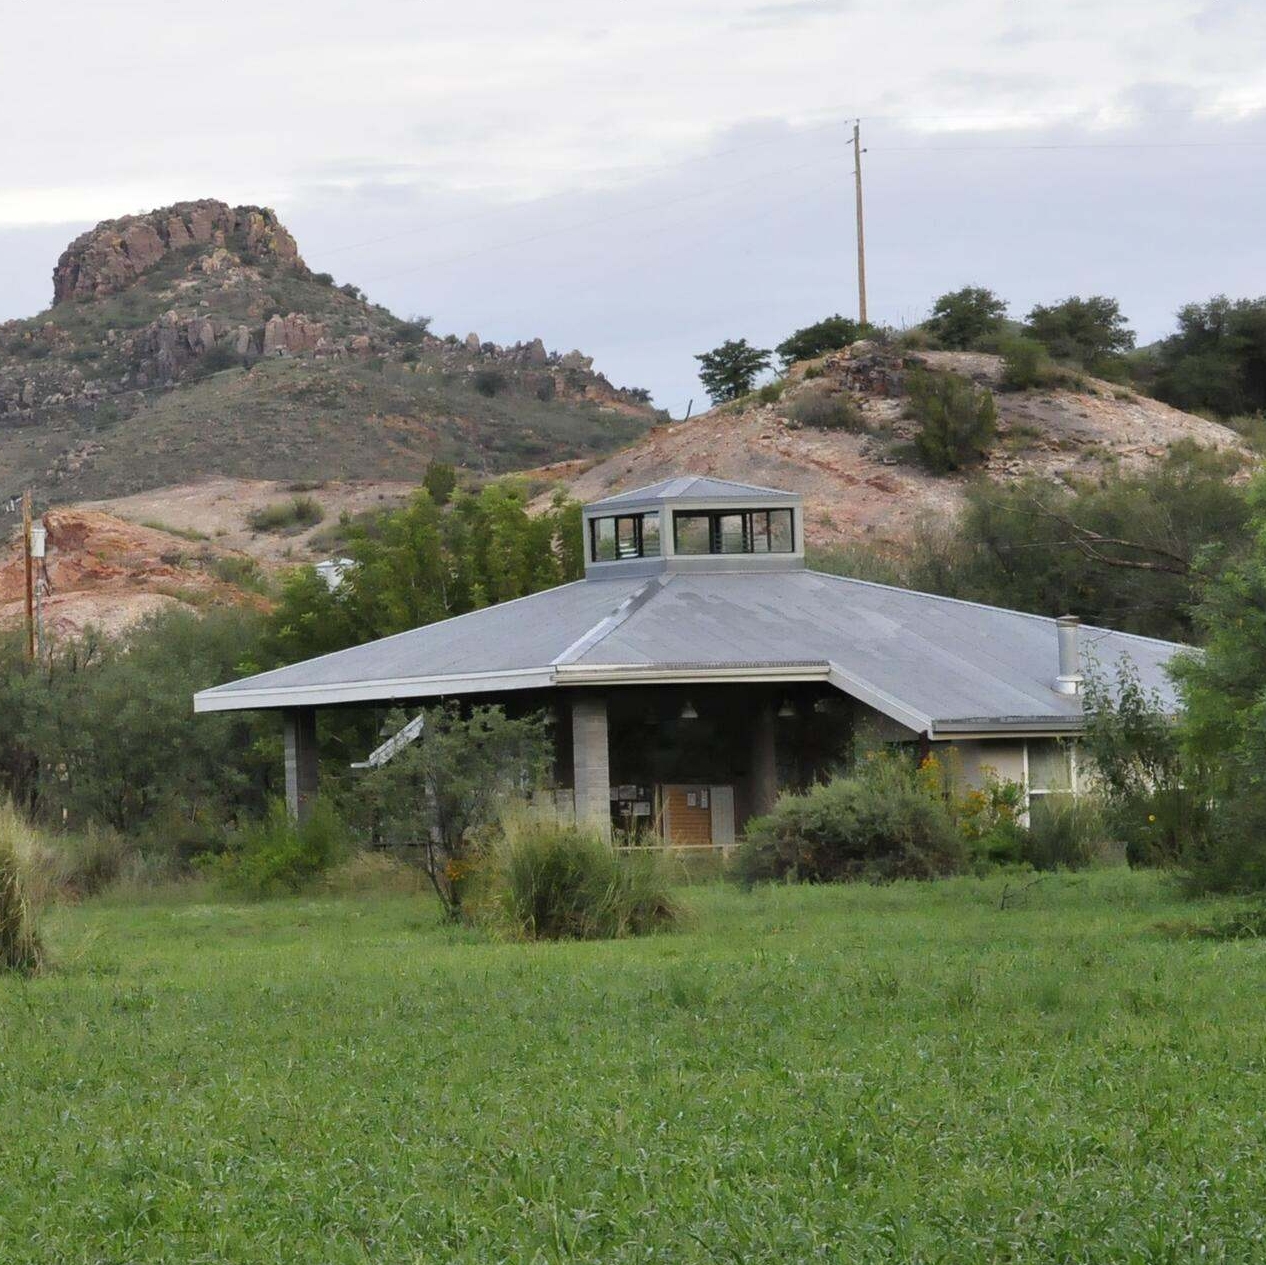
(961, 318)
(731, 370)
(1124, 551)
(1086, 331)
(1217, 359)
(440, 480)
(957, 421)
(830, 334)
(452, 781)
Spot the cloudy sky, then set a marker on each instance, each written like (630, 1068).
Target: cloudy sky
(642, 180)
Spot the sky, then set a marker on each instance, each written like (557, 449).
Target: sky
(642, 181)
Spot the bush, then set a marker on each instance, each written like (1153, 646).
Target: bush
(881, 822)
(831, 334)
(544, 881)
(1064, 833)
(826, 410)
(771, 392)
(489, 382)
(964, 317)
(958, 421)
(1025, 365)
(279, 855)
(1229, 856)
(293, 515)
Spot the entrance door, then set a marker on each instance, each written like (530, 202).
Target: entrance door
(722, 816)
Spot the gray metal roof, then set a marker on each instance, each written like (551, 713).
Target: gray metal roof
(693, 487)
(929, 662)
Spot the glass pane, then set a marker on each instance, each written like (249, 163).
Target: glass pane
(1049, 768)
(626, 537)
(604, 540)
(782, 539)
(760, 532)
(650, 535)
(731, 536)
(692, 533)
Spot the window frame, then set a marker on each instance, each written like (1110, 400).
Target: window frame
(639, 537)
(755, 523)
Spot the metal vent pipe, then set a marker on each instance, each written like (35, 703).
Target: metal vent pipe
(1070, 679)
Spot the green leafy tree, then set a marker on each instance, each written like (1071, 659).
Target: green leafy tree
(963, 317)
(1087, 331)
(731, 370)
(452, 782)
(1124, 551)
(957, 421)
(1131, 746)
(830, 334)
(1217, 359)
(440, 481)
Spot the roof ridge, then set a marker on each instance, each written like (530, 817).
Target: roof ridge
(609, 623)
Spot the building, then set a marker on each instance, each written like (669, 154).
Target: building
(700, 666)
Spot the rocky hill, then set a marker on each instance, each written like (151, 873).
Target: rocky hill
(865, 485)
(194, 341)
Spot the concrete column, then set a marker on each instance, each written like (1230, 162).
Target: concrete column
(764, 758)
(591, 763)
(301, 760)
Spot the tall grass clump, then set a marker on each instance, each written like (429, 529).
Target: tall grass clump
(546, 881)
(278, 854)
(883, 821)
(1064, 833)
(21, 948)
(287, 516)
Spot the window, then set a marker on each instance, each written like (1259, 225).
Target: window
(623, 536)
(734, 531)
(1050, 773)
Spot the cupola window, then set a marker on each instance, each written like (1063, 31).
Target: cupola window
(733, 531)
(623, 536)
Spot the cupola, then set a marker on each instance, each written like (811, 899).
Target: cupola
(693, 523)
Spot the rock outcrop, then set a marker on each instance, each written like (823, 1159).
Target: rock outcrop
(113, 255)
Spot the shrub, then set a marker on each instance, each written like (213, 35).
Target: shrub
(771, 392)
(489, 382)
(292, 515)
(216, 359)
(1229, 856)
(1025, 365)
(544, 881)
(880, 822)
(964, 317)
(827, 410)
(958, 422)
(831, 334)
(240, 570)
(323, 278)
(1064, 833)
(279, 854)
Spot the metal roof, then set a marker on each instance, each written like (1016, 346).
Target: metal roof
(693, 487)
(929, 662)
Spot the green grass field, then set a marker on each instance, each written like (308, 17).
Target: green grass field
(910, 1073)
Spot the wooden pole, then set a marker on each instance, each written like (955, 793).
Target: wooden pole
(861, 233)
(30, 575)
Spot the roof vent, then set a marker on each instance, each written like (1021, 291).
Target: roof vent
(1070, 679)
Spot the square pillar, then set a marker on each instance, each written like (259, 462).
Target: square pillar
(764, 756)
(299, 725)
(591, 763)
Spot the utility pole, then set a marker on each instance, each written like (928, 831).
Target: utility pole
(858, 151)
(30, 575)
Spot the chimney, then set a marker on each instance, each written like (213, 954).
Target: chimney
(1070, 679)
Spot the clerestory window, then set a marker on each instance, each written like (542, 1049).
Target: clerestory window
(733, 531)
(623, 536)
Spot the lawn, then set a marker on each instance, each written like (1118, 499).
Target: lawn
(911, 1073)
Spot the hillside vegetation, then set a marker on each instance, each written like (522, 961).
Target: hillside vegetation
(195, 341)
